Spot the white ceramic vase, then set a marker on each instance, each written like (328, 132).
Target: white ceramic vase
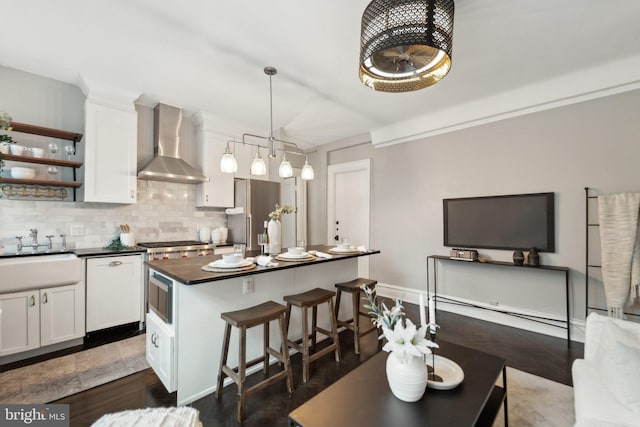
(407, 380)
(274, 229)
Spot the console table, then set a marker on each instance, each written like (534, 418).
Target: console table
(566, 324)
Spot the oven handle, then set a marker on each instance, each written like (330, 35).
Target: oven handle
(161, 281)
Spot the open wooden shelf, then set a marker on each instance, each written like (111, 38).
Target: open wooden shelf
(42, 131)
(15, 181)
(42, 161)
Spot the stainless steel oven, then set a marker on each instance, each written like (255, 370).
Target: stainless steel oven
(160, 294)
(158, 291)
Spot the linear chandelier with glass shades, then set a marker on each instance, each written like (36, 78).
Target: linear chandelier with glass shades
(228, 163)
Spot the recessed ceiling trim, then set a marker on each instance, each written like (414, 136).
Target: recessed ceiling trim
(566, 90)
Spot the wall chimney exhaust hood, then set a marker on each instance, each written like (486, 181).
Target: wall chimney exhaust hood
(166, 164)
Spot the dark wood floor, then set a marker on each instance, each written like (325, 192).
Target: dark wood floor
(534, 353)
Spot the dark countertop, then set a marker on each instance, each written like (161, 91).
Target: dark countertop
(40, 253)
(81, 253)
(189, 271)
(89, 252)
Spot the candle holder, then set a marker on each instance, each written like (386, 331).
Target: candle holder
(431, 370)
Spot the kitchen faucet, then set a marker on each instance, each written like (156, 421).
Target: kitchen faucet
(33, 233)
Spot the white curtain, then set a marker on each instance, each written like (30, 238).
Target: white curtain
(618, 217)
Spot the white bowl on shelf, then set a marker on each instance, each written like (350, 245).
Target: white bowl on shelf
(23, 173)
(17, 150)
(36, 152)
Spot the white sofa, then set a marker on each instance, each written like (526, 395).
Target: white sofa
(607, 381)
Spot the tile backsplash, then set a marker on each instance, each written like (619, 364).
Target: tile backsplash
(164, 211)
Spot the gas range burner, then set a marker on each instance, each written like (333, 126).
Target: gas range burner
(177, 249)
(176, 243)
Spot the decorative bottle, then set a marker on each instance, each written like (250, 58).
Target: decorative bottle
(533, 259)
(518, 258)
(266, 248)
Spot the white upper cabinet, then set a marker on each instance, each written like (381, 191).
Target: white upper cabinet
(218, 192)
(111, 130)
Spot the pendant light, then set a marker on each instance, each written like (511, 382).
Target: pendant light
(405, 45)
(258, 167)
(228, 163)
(285, 170)
(307, 171)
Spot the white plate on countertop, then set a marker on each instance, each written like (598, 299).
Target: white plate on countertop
(340, 250)
(450, 372)
(221, 264)
(294, 256)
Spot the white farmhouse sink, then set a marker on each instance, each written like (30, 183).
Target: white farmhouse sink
(36, 272)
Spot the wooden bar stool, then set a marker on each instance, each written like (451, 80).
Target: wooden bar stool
(260, 314)
(312, 299)
(353, 287)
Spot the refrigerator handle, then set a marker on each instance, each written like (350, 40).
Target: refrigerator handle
(249, 232)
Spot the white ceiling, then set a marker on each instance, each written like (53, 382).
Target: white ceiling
(209, 55)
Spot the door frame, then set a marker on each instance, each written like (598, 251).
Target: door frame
(332, 171)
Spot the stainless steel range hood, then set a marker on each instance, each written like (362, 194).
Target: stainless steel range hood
(167, 164)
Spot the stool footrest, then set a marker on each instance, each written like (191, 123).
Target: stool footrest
(318, 354)
(266, 382)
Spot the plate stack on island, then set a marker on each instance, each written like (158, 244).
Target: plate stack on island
(295, 254)
(229, 263)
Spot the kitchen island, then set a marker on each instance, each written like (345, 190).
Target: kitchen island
(185, 349)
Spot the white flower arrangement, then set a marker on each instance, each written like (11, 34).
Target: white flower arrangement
(276, 215)
(404, 339)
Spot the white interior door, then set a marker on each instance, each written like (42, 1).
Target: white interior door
(348, 204)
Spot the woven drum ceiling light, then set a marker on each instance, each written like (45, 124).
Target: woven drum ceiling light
(405, 45)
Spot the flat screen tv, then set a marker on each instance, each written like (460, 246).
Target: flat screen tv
(520, 221)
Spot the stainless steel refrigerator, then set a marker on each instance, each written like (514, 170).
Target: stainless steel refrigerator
(257, 199)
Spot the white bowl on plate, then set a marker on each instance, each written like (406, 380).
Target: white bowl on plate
(23, 173)
(232, 258)
(294, 251)
(344, 246)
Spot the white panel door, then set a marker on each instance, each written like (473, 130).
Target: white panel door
(61, 314)
(111, 140)
(348, 206)
(114, 291)
(218, 191)
(19, 322)
(160, 351)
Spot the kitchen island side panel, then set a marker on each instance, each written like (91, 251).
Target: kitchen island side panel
(200, 330)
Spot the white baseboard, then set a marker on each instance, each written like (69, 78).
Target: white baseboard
(411, 295)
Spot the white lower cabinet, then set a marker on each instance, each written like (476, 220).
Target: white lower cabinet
(40, 317)
(114, 291)
(160, 350)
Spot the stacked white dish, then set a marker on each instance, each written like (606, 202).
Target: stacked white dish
(344, 248)
(289, 255)
(231, 261)
(36, 152)
(23, 173)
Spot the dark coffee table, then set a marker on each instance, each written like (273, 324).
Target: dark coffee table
(363, 398)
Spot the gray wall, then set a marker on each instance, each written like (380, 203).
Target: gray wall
(594, 144)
